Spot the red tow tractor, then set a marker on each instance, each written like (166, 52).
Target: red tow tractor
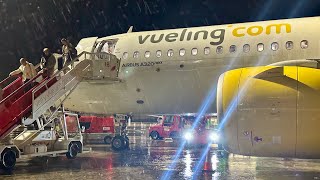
(180, 127)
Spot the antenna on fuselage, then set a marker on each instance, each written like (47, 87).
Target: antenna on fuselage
(130, 29)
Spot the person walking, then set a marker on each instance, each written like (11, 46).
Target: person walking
(27, 70)
(48, 62)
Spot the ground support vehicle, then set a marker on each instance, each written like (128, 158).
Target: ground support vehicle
(169, 126)
(181, 127)
(33, 120)
(97, 128)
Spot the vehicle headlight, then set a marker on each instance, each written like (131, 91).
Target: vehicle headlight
(188, 135)
(214, 136)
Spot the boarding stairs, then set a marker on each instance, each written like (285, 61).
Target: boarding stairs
(28, 109)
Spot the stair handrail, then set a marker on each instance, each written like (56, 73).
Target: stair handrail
(7, 79)
(85, 53)
(14, 76)
(58, 72)
(21, 87)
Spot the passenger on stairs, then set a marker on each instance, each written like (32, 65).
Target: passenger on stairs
(67, 49)
(68, 52)
(27, 69)
(48, 62)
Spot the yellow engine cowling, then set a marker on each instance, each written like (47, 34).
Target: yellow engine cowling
(270, 111)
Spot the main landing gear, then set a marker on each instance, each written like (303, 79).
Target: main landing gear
(121, 141)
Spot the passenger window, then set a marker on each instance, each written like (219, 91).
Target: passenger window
(170, 52)
(206, 50)
(158, 53)
(125, 55)
(246, 48)
(274, 46)
(289, 45)
(304, 44)
(136, 54)
(233, 49)
(219, 50)
(147, 54)
(260, 47)
(182, 52)
(194, 51)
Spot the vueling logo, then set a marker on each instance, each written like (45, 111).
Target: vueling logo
(257, 30)
(216, 36)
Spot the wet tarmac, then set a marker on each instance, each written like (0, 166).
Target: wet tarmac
(147, 159)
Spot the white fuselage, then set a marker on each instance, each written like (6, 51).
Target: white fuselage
(173, 83)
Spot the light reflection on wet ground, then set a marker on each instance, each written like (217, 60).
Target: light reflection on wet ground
(148, 159)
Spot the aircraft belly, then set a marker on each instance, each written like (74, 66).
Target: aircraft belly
(146, 91)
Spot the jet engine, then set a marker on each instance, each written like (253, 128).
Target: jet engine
(270, 111)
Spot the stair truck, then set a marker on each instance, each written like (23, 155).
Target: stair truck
(24, 134)
(33, 121)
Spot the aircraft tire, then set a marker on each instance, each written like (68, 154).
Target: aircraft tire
(118, 143)
(154, 135)
(73, 150)
(8, 159)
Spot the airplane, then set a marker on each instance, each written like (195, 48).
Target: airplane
(262, 78)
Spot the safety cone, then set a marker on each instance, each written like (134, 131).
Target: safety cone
(207, 167)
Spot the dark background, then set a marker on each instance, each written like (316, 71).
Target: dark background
(27, 26)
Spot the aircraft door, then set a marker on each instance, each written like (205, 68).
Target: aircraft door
(86, 44)
(106, 64)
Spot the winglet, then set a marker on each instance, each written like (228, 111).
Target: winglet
(130, 29)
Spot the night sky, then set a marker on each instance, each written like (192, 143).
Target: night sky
(29, 25)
